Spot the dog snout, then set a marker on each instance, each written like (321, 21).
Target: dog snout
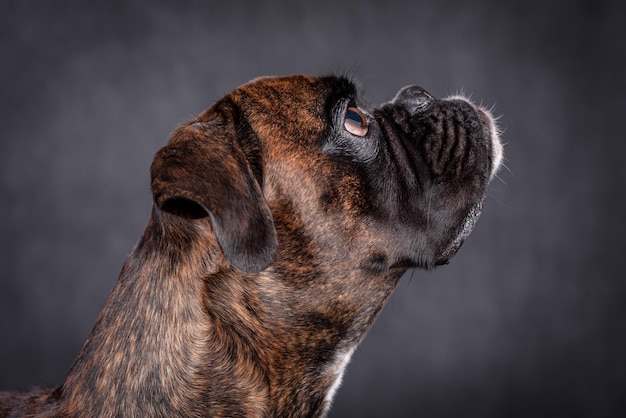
(413, 98)
(492, 132)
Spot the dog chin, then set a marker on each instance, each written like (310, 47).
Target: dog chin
(463, 233)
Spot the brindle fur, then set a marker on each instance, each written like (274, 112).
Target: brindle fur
(274, 240)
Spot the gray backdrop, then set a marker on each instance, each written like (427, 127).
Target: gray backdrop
(528, 319)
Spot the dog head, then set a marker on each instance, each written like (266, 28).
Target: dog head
(302, 158)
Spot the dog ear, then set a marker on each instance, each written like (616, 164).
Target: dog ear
(204, 172)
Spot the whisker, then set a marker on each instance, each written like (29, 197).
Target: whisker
(503, 164)
(498, 201)
(410, 277)
(500, 179)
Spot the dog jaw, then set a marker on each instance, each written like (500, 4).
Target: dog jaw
(497, 153)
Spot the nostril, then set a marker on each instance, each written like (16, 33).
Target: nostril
(413, 98)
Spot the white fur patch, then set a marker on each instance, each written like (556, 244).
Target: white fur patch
(337, 369)
(496, 145)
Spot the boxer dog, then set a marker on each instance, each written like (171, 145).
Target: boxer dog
(283, 218)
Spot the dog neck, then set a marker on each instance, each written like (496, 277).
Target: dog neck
(213, 341)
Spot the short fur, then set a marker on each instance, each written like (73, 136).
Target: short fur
(276, 237)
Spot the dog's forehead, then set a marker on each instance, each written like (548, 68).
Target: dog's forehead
(303, 83)
(293, 108)
(313, 94)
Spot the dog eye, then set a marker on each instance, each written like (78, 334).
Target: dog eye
(355, 122)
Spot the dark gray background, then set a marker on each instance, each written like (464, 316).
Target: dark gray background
(530, 317)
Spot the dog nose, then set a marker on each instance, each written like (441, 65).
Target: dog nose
(414, 98)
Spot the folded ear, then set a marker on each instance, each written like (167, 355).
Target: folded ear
(204, 172)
